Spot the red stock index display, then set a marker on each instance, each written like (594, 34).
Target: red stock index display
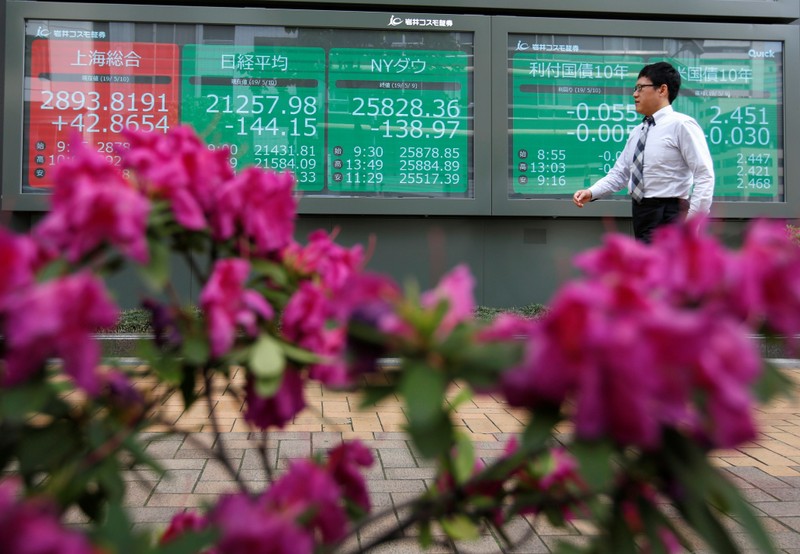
(94, 90)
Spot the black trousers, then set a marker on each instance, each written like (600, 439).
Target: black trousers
(651, 213)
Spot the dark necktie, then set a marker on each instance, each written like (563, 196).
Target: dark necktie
(637, 174)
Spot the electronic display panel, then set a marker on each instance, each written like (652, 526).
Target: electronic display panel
(570, 110)
(371, 112)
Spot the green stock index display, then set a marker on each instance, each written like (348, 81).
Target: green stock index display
(350, 112)
(571, 109)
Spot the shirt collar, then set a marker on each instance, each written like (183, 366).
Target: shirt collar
(663, 112)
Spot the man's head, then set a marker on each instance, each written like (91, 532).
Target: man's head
(657, 86)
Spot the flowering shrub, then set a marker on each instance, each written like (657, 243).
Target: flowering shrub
(648, 356)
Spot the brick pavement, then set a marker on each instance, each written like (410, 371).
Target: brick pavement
(767, 470)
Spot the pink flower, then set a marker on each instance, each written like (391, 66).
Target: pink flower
(181, 523)
(725, 372)
(249, 526)
(307, 322)
(695, 267)
(344, 462)
(612, 349)
(333, 263)
(58, 318)
(178, 167)
(228, 305)
(276, 410)
(455, 288)
(622, 258)
(32, 527)
(307, 313)
(309, 491)
(18, 260)
(769, 290)
(564, 469)
(92, 204)
(259, 205)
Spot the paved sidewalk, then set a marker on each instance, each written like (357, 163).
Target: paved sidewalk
(767, 470)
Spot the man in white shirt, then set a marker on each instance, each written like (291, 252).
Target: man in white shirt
(677, 173)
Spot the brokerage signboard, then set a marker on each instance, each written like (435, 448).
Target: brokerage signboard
(351, 112)
(571, 109)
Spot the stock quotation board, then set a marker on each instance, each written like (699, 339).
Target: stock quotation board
(349, 112)
(571, 109)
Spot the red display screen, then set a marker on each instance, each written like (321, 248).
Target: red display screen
(94, 90)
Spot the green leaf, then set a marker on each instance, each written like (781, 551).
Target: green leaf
(596, 459)
(425, 534)
(372, 394)
(16, 404)
(539, 430)
(267, 387)
(464, 463)
(272, 271)
(189, 542)
(48, 447)
(434, 438)
(738, 506)
(771, 383)
(689, 466)
(563, 547)
(54, 269)
(423, 388)
(460, 527)
(299, 355)
(267, 360)
(464, 395)
(156, 272)
(196, 349)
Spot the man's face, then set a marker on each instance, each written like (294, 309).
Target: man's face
(648, 97)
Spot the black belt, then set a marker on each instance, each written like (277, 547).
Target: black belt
(661, 201)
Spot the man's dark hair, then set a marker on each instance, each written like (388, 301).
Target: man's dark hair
(662, 73)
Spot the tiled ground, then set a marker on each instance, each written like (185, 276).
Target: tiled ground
(768, 470)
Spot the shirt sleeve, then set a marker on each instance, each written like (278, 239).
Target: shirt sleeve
(619, 176)
(694, 149)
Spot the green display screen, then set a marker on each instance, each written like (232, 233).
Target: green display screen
(571, 109)
(351, 112)
(398, 121)
(266, 104)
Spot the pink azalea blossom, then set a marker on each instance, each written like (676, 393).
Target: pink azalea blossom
(307, 312)
(564, 469)
(259, 205)
(321, 256)
(178, 167)
(310, 491)
(769, 290)
(695, 267)
(92, 204)
(612, 350)
(249, 526)
(308, 322)
(279, 409)
(58, 318)
(725, 371)
(181, 523)
(228, 305)
(18, 260)
(32, 526)
(344, 463)
(455, 288)
(622, 258)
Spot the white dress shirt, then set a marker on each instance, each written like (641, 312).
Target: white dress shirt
(676, 156)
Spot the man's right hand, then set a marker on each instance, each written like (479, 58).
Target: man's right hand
(581, 197)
